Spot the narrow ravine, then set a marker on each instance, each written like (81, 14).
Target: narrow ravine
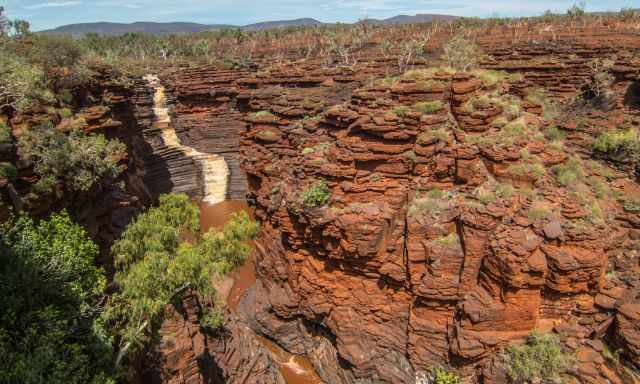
(295, 369)
(215, 210)
(214, 170)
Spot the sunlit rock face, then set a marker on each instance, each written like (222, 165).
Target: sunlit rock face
(422, 256)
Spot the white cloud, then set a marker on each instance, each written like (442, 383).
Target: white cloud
(117, 4)
(54, 5)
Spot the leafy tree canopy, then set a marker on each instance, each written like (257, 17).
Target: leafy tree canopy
(51, 290)
(160, 256)
(78, 159)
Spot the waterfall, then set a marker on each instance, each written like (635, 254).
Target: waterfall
(213, 168)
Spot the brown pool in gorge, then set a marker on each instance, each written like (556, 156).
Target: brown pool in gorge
(295, 369)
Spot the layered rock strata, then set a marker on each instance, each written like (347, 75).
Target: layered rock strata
(212, 173)
(446, 238)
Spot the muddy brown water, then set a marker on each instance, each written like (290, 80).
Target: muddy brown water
(295, 369)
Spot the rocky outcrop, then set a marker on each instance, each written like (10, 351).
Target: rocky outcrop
(447, 235)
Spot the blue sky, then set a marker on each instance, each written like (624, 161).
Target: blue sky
(45, 14)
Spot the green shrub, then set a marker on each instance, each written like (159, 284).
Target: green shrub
(21, 84)
(461, 54)
(433, 134)
(267, 135)
(428, 107)
(618, 142)
(316, 195)
(65, 113)
(485, 196)
(442, 376)
(5, 134)
(77, 159)
(554, 133)
(490, 77)
(318, 148)
(481, 102)
(401, 110)
(500, 122)
(556, 145)
(8, 171)
(155, 267)
(449, 241)
(500, 191)
(432, 204)
(51, 299)
(427, 85)
(263, 114)
(534, 169)
(628, 14)
(212, 319)
(505, 191)
(436, 194)
(411, 157)
(538, 211)
(569, 173)
(632, 204)
(540, 358)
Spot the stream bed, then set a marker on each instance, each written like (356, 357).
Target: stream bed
(294, 368)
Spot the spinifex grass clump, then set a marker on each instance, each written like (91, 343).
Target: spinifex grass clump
(428, 107)
(316, 195)
(431, 204)
(540, 359)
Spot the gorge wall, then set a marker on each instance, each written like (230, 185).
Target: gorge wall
(421, 258)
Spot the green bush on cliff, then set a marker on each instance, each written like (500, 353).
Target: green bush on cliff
(161, 257)
(461, 54)
(632, 204)
(5, 134)
(428, 107)
(76, 159)
(442, 376)
(51, 294)
(569, 173)
(316, 195)
(432, 204)
(541, 358)
(8, 171)
(619, 142)
(21, 83)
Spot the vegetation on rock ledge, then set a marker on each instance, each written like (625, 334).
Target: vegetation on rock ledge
(161, 257)
(316, 195)
(540, 359)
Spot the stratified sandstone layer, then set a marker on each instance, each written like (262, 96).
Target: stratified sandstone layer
(447, 235)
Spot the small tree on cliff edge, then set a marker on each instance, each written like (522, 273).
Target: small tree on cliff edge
(461, 54)
(4, 23)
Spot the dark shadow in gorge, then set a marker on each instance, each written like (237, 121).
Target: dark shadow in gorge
(632, 96)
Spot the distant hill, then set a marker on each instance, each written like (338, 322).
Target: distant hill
(419, 18)
(281, 24)
(116, 29)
